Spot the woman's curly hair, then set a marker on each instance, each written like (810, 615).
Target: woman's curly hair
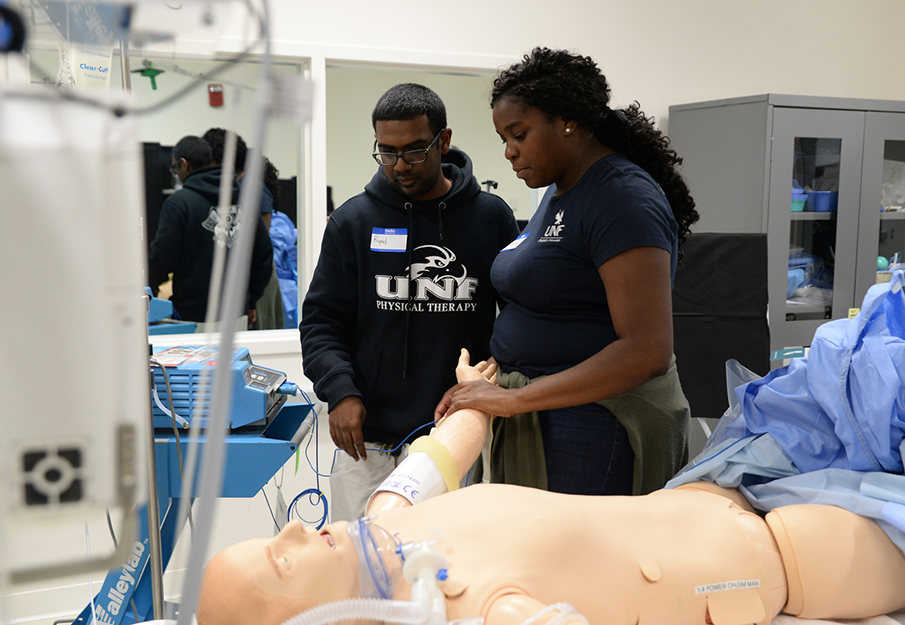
(571, 86)
(216, 138)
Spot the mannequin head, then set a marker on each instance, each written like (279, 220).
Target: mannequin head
(268, 581)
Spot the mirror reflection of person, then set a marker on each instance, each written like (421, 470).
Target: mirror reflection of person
(697, 554)
(585, 341)
(188, 230)
(269, 309)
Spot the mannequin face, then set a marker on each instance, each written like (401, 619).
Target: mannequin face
(295, 570)
(300, 562)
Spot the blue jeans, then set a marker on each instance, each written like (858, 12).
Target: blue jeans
(587, 451)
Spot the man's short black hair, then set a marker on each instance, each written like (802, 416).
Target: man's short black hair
(408, 100)
(195, 150)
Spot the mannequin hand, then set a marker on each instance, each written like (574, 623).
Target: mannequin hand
(346, 420)
(484, 370)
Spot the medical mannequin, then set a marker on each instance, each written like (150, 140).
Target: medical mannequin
(697, 554)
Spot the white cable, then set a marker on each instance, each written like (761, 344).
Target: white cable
(180, 420)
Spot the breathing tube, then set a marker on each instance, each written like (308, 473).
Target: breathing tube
(382, 560)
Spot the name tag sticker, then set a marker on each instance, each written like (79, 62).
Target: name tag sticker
(518, 241)
(388, 239)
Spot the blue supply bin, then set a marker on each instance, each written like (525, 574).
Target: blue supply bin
(823, 201)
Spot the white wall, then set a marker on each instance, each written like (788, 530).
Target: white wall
(655, 51)
(658, 52)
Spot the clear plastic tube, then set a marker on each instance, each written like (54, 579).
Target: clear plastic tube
(379, 563)
(369, 609)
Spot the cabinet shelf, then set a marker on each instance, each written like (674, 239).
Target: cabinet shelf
(813, 216)
(798, 311)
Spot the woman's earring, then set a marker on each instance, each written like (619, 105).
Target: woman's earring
(568, 130)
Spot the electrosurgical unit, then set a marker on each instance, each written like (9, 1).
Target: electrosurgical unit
(182, 378)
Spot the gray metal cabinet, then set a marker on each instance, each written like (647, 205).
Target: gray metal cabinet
(823, 177)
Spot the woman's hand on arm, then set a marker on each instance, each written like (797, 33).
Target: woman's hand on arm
(480, 395)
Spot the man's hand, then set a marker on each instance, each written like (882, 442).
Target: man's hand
(346, 420)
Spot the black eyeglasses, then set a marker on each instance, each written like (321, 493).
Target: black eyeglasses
(412, 157)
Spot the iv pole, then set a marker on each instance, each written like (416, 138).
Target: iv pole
(156, 556)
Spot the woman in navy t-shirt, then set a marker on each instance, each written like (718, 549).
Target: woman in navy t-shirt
(585, 340)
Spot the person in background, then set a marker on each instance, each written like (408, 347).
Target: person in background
(188, 231)
(270, 307)
(584, 344)
(401, 285)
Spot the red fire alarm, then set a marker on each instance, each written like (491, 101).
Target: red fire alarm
(215, 93)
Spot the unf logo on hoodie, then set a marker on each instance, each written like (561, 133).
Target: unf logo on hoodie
(437, 282)
(223, 233)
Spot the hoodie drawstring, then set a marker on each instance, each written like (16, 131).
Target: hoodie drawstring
(408, 304)
(440, 208)
(408, 246)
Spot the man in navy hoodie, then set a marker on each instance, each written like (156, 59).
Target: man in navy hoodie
(401, 285)
(188, 229)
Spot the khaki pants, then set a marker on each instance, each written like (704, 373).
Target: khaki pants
(352, 483)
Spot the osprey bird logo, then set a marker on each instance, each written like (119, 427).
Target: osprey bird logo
(434, 264)
(558, 220)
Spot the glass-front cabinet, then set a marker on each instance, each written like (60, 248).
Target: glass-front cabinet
(882, 187)
(813, 218)
(823, 177)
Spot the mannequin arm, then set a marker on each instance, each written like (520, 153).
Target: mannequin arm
(461, 438)
(838, 564)
(514, 609)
